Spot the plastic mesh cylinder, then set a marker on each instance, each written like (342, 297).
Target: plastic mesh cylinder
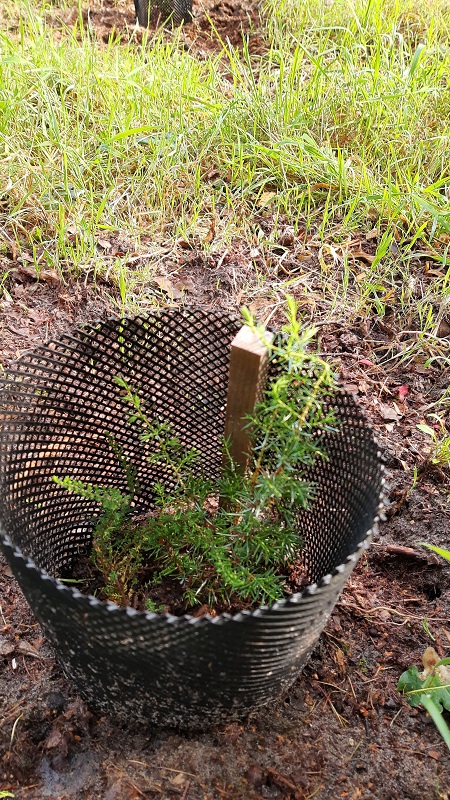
(175, 11)
(171, 671)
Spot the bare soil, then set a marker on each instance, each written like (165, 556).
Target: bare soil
(342, 730)
(214, 24)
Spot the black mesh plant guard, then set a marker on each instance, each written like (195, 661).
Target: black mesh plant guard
(160, 11)
(170, 671)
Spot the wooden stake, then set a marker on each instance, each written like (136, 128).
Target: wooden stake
(248, 373)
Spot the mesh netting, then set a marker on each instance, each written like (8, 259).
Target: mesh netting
(160, 11)
(172, 671)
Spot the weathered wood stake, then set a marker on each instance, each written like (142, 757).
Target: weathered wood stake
(247, 377)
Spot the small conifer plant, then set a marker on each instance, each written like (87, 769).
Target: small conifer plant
(229, 542)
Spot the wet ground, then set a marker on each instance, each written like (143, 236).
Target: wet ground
(342, 730)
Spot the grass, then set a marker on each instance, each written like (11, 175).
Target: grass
(341, 126)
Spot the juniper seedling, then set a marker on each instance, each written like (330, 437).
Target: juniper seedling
(232, 538)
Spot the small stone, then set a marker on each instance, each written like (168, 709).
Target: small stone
(255, 775)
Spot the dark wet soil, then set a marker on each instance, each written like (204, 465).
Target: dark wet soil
(342, 730)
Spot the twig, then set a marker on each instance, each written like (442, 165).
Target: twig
(366, 612)
(13, 732)
(185, 792)
(407, 552)
(351, 686)
(156, 766)
(325, 683)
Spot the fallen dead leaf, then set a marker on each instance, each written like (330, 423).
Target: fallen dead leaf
(47, 275)
(265, 198)
(184, 244)
(402, 392)
(105, 244)
(6, 648)
(362, 256)
(73, 231)
(57, 740)
(211, 232)
(178, 781)
(184, 284)
(18, 331)
(340, 660)
(388, 413)
(166, 286)
(27, 649)
(36, 316)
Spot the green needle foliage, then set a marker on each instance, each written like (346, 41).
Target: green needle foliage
(231, 540)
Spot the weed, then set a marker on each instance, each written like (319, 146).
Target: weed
(431, 689)
(426, 628)
(152, 607)
(439, 550)
(440, 454)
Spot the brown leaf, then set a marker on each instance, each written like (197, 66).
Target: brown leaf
(255, 775)
(57, 741)
(178, 781)
(105, 244)
(185, 284)
(211, 231)
(265, 198)
(48, 275)
(340, 660)
(287, 237)
(443, 331)
(121, 790)
(184, 244)
(18, 331)
(363, 256)
(284, 784)
(389, 414)
(36, 316)
(167, 286)
(6, 648)
(74, 231)
(402, 392)
(27, 649)
(373, 234)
